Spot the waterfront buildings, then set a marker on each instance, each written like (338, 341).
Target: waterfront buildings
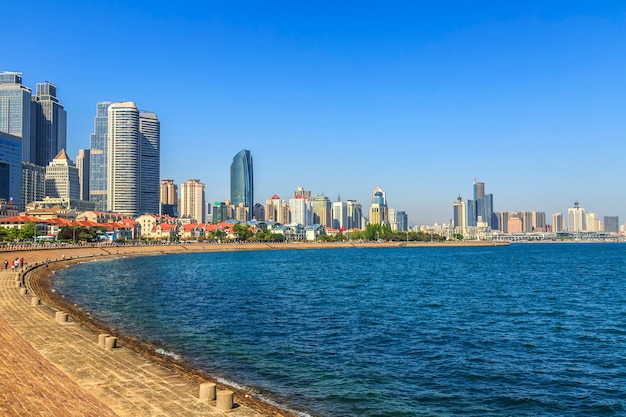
(50, 121)
(355, 215)
(192, 200)
(611, 224)
(133, 166)
(557, 223)
(339, 214)
(322, 210)
(459, 219)
(576, 219)
(15, 111)
(10, 168)
(98, 157)
(379, 211)
(242, 181)
(480, 209)
(33, 184)
(301, 210)
(83, 164)
(168, 197)
(62, 178)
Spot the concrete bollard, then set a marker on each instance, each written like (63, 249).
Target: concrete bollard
(60, 317)
(225, 400)
(110, 343)
(101, 339)
(24, 291)
(207, 391)
(18, 284)
(35, 301)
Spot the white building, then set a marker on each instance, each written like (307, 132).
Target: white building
(62, 178)
(301, 210)
(192, 200)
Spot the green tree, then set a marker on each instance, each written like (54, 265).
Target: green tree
(27, 231)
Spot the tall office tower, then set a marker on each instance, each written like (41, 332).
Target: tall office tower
(301, 210)
(339, 216)
(576, 219)
(355, 215)
(379, 212)
(481, 208)
(192, 200)
(33, 183)
(150, 162)
(479, 190)
(470, 210)
(133, 167)
(123, 176)
(611, 224)
(458, 214)
(557, 222)
(15, 112)
(169, 198)
(402, 219)
(322, 208)
(242, 181)
(301, 191)
(82, 163)
(50, 124)
(62, 178)
(98, 157)
(11, 168)
(258, 212)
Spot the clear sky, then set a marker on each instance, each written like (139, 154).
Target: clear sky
(419, 98)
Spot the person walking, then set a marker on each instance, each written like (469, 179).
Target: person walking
(6, 264)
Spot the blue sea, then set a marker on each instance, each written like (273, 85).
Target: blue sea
(525, 330)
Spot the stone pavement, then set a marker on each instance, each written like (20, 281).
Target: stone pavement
(57, 369)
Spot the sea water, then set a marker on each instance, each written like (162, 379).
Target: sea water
(525, 330)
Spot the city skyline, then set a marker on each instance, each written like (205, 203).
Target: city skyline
(415, 99)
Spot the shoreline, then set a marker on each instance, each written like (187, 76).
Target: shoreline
(38, 279)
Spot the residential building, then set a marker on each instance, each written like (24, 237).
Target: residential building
(169, 198)
(10, 167)
(83, 164)
(62, 178)
(50, 124)
(458, 214)
(242, 181)
(593, 222)
(258, 212)
(8, 208)
(339, 216)
(301, 210)
(15, 112)
(322, 210)
(98, 157)
(192, 200)
(557, 223)
(576, 219)
(515, 224)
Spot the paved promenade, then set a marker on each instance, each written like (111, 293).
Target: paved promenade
(57, 369)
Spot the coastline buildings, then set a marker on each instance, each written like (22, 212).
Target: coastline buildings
(480, 209)
(133, 166)
(169, 198)
(242, 182)
(379, 211)
(192, 200)
(15, 111)
(459, 219)
(10, 168)
(98, 157)
(576, 219)
(82, 163)
(62, 178)
(611, 224)
(50, 121)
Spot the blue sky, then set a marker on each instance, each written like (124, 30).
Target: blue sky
(420, 99)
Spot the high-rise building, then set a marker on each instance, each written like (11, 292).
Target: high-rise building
(149, 162)
(62, 178)
(302, 192)
(33, 183)
(593, 222)
(50, 121)
(503, 221)
(379, 211)
(169, 198)
(480, 209)
(458, 214)
(242, 181)
(322, 210)
(258, 212)
(301, 210)
(402, 219)
(576, 219)
(132, 160)
(11, 168)
(192, 200)
(355, 215)
(339, 214)
(98, 157)
(557, 223)
(15, 112)
(83, 164)
(611, 224)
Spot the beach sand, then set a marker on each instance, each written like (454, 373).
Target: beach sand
(61, 370)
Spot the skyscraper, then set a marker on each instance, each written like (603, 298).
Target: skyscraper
(192, 200)
(557, 222)
(458, 213)
(339, 214)
(379, 211)
(150, 162)
(15, 111)
(242, 181)
(49, 119)
(481, 207)
(576, 219)
(83, 165)
(322, 210)
(98, 157)
(611, 224)
(62, 178)
(301, 210)
(169, 198)
(11, 168)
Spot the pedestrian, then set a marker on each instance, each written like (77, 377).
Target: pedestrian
(6, 264)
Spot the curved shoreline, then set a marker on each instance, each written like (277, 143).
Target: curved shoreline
(38, 278)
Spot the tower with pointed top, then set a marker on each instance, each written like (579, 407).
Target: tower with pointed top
(379, 211)
(62, 178)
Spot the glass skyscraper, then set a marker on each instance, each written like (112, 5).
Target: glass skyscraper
(50, 121)
(98, 157)
(242, 181)
(15, 108)
(11, 168)
(150, 162)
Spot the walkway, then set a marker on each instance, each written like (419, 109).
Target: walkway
(58, 369)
